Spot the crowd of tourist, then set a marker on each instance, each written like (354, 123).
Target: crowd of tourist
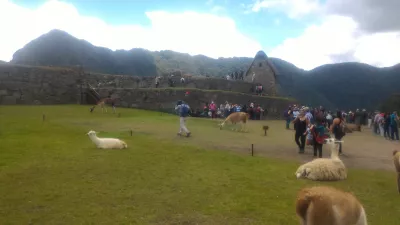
(309, 124)
(256, 112)
(385, 124)
(312, 126)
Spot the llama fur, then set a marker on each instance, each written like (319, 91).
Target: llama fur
(396, 162)
(324, 169)
(236, 117)
(323, 205)
(106, 143)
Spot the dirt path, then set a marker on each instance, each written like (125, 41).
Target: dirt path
(361, 149)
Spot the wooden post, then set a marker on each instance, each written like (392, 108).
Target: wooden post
(131, 132)
(252, 149)
(43, 117)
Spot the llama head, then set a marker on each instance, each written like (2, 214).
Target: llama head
(303, 172)
(395, 152)
(331, 141)
(92, 133)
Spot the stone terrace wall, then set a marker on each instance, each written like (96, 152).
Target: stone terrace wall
(51, 85)
(35, 85)
(123, 81)
(165, 99)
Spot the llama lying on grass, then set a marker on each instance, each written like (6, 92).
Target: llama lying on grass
(106, 143)
(236, 117)
(396, 162)
(324, 205)
(324, 169)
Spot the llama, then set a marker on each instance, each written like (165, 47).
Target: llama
(102, 104)
(324, 169)
(236, 117)
(106, 143)
(396, 162)
(323, 205)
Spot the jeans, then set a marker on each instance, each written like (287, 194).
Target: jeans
(287, 123)
(317, 147)
(394, 131)
(386, 133)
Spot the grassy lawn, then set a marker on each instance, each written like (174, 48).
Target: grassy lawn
(51, 173)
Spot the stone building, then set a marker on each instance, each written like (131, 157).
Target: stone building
(261, 71)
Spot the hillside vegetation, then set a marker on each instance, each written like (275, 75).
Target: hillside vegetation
(343, 85)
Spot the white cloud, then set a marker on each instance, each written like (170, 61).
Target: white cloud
(337, 39)
(189, 32)
(293, 8)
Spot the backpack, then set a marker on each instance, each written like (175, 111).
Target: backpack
(184, 110)
(339, 131)
(319, 138)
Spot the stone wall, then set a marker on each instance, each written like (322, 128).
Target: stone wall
(51, 85)
(165, 99)
(122, 81)
(33, 85)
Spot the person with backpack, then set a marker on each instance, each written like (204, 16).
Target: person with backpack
(183, 112)
(337, 128)
(319, 134)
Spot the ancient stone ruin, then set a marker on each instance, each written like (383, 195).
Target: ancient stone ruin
(51, 85)
(261, 71)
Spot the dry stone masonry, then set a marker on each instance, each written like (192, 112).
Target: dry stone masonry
(50, 85)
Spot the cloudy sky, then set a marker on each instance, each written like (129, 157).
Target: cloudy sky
(307, 33)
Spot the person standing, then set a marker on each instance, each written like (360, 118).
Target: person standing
(183, 112)
(301, 122)
(288, 116)
(386, 126)
(337, 128)
(213, 109)
(394, 119)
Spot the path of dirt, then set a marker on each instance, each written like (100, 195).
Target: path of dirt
(360, 150)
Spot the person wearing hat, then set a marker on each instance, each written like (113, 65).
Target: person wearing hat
(183, 112)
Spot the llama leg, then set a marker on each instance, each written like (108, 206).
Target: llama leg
(362, 220)
(398, 182)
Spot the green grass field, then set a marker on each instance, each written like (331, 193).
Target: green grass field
(51, 173)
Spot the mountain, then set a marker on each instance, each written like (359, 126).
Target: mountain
(58, 48)
(343, 85)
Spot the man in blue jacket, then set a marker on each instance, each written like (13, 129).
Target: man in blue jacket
(183, 112)
(394, 126)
